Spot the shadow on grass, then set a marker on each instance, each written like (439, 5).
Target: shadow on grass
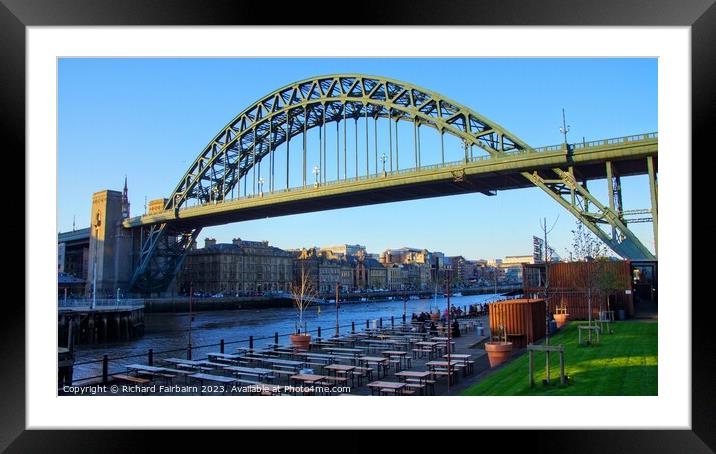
(623, 363)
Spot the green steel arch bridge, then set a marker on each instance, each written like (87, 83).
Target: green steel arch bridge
(258, 166)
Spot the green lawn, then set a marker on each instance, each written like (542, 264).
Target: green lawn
(624, 364)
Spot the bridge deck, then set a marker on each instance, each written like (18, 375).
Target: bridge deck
(477, 175)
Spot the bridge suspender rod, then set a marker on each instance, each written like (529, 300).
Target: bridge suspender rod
(390, 138)
(325, 144)
(442, 145)
(345, 145)
(270, 155)
(415, 143)
(223, 178)
(319, 177)
(288, 149)
(338, 157)
(367, 157)
(375, 137)
(418, 135)
(397, 158)
(305, 129)
(253, 163)
(355, 117)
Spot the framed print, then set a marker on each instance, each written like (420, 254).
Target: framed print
(449, 211)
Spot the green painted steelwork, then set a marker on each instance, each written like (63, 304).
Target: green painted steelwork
(202, 196)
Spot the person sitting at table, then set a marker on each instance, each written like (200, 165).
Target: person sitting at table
(433, 329)
(455, 329)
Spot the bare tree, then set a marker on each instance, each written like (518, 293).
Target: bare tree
(585, 245)
(588, 248)
(607, 280)
(303, 294)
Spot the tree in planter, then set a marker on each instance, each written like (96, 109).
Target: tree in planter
(303, 294)
(607, 280)
(588, 248)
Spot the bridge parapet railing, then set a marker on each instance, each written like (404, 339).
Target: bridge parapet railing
(617, 140)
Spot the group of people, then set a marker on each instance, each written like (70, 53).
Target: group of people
(433, 328)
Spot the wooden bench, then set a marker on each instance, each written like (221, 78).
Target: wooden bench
(167, 377)
(396, 392)
(416, 387)
(131, 379)
(422, 352)
(361, 372)
(283, 372)
(396, 363)
(429, 383)
(337, 379)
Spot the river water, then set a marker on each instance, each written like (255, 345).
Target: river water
(170, 331)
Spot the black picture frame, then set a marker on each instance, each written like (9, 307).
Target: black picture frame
(16, 15)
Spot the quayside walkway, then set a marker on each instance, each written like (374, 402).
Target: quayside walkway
(403, 359)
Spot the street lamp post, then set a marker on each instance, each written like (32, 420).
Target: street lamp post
(449, 327)
(191, 293)
(316, 171)
(261, 186)
(337, 303)
(383, 158)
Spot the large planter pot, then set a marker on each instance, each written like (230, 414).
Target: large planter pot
(498, 352)
(301, 341)
(561, 319)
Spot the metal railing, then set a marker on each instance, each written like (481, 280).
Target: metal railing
(99, 302)
(115, 365)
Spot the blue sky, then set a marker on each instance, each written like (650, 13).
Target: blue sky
(150, 118)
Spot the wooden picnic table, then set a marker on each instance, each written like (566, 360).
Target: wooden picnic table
(423, 377)
(308, 379)
(214, 378)
(145, 368)
(432, 365)
(419, 374)
(345, 350)
(427, 344)
(382, 362)
(343, 368)
(439, 363)
(179, 361)
(340, 367)
(223, 355)
(395, 353)
(285, 362)
(397, 386)
(259, 372)
(464, 358)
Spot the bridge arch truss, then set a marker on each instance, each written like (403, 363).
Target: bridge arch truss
(252, 139)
